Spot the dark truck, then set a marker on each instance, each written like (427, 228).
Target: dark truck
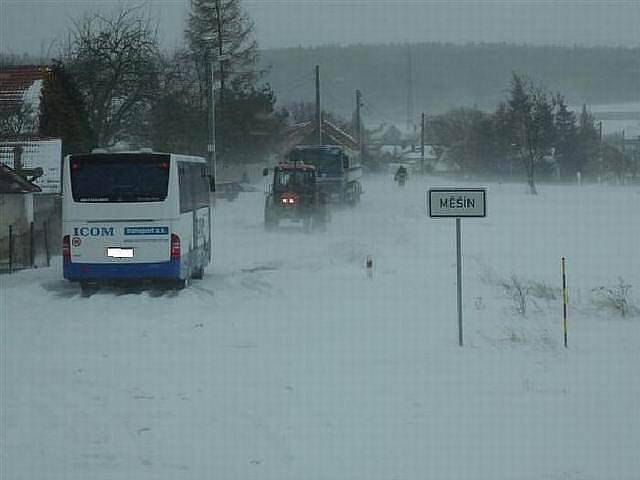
(295, 195)
(338, 170)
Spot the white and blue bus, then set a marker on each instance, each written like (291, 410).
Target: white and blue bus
(135, 216)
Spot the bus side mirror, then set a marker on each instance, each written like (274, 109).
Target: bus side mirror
(345, 162)
(265, 172)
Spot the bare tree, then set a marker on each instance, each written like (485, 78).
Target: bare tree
(114, 59)
(532, 123)
(17, 120)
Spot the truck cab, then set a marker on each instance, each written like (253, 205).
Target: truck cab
(338, 170)
(294, 195)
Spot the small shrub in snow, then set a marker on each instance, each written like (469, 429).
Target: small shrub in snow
(518, 291)
(616, 298)
(524, 293)
(517, 338)
(543, 291)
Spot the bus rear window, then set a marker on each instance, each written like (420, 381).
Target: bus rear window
(116, 178)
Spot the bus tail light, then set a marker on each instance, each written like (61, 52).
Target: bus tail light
(175, 247)
(66, 249)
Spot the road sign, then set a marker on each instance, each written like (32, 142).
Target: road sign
(457, 202)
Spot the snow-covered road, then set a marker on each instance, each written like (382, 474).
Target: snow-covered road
(288, 362)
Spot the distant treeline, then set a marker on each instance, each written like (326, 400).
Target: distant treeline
(446, 76)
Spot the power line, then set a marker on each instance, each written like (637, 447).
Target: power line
(307, 78)
(386, 118)
(326, 93)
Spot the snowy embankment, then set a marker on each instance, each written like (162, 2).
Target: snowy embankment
(287, 362)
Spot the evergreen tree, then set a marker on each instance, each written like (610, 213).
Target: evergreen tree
(505, 158)
(221, 28)
(245, 131)
(533, 132)
(177, 119)
(614, 163)
(249, 127)
(588, 138)
(62, 112)
(567, 144)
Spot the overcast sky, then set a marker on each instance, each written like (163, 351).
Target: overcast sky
(32, 25)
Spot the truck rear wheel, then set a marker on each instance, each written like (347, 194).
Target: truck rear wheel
(353, 197)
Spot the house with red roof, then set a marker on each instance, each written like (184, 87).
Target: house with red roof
(306, 133)
(36, 113)
(20, 93)
(25, 145)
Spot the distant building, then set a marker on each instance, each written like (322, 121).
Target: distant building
(386, 134)
(414, 152)
(445, 164)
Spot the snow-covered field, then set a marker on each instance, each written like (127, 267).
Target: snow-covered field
(288, 362)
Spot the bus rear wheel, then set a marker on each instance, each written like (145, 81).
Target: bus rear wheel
(88, 288)
(182, 283)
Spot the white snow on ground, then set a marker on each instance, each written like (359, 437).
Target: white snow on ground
(287, 362)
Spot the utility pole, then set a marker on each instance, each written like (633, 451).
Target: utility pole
(211, 145)
(410, 122)
(600, 130)
(422, 144)
(600, 161)
(359, 123)
(220, 54)
(318, 111)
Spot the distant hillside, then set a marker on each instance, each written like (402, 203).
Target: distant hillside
(448, 75)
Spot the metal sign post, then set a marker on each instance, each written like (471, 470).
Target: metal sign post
(457, 203)
(459, 277)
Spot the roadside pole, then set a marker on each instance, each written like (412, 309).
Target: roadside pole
(422, 144)
(32, 253)
(46, 242)
(459, 276)
(318, 107)
(565, 300)
(10, 248)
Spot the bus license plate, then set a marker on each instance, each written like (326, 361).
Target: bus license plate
(120, 252)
